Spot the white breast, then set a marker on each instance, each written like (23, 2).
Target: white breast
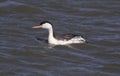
(74, 40)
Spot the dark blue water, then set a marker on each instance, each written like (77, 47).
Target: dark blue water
(21, 54)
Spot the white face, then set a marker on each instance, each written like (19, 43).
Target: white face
(46, 26)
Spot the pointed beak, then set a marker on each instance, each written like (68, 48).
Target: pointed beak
(38, 26)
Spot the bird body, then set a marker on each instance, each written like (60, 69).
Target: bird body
(59, 40)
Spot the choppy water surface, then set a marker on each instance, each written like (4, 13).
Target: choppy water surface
(21, 54)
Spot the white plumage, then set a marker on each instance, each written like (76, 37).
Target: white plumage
(59, 40)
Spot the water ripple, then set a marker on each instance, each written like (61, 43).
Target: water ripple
(21, 53)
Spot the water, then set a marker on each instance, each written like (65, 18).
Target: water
(21, 54)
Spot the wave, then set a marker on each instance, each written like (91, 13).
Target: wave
(9, 3)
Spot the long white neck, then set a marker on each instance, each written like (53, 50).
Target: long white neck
(51, 38)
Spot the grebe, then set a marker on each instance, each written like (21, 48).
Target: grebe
(59, 40)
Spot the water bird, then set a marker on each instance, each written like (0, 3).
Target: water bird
(64, 39)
